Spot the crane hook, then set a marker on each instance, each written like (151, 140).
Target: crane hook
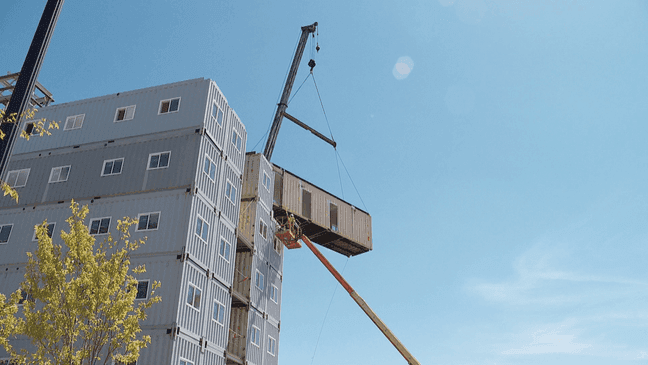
(311, 63)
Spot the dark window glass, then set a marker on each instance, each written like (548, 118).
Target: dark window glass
(4, 233)
(174, 105)
(164, 160)
(142, 289)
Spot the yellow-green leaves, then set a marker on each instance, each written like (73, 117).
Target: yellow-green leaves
(81, 304)
(38, 128)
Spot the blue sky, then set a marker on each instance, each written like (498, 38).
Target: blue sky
(505, 173)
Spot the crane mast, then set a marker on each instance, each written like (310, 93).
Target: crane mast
(283, 103)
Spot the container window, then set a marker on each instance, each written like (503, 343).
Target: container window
(272, 346)
(50, 231)
(148, 221)
(260, 278)
(112, 167)
(169, 106)
(255, 336)
(17, 178)
(126, 113)
(217, 114)
(159, 160)
(99, 225)
(5, 232)
(193, 296)
(333, 213)
(306, 203)
(225, 248)
(74, 122)
(274, 293)
(219, 313)
(142, 289)
(59, 174)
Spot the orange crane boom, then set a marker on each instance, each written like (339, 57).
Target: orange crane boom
(291, 241)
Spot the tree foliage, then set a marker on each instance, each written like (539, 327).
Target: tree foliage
(38, 129)
(78, 301)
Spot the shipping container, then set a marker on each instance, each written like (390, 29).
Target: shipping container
(208, 171)
(186, 348)
(202, 233)
(238, 335)
(216, 116)
(107, 169)
(259, 283)
(271, 344)
(273, 308)
(323, 217)
(217, 310)
(229, 200)
(100, 115)
(224, 254)
(193, 305)
(258, 179)
(243, 275)
(235, 141)
(256, 334)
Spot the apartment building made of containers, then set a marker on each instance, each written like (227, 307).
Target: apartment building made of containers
(173, 156)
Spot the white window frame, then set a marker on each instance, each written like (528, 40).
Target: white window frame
(99, 219)
(185, 361)
(193, 300)
(212, 167)
(274, 293)
(59, 168)
(126, 114)
(263, 229)
(266, 181)
(137, 229)
(229, 249)
(232, 191)
(259, 275)
(34, 238)
(74, 119)
(271, 340)
(221, 312)
(256, 336)
(103, 167)
(10, 230)
(17, 172)
(148, 282)
(159, 154)
(236, 140)
(222, 114)
(160, 112)
(202, 228)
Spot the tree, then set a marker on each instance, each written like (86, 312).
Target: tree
(37, 128)
(78, 301)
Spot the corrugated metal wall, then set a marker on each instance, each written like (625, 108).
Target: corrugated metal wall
(199, 250)
(85, 178)
(254, 352)
(256, 166)
(291, 200)
(217, 131)
(229, 208)
(215, 333)
(258, 295)
(185, 348)
(243, 274)
(190, 320)
(274, 308)
(272, 331)
(238, 334)
(99, 125)
(206, 187)
(235, 155)
(223, 267)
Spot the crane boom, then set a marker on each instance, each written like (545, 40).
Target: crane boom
(283, 103)
(290, 237)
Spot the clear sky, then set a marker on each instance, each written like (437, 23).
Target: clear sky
(506, 172)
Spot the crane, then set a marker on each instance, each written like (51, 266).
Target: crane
(289, 233)
(283, 102)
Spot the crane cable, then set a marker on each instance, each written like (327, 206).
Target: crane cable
(337, 153)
